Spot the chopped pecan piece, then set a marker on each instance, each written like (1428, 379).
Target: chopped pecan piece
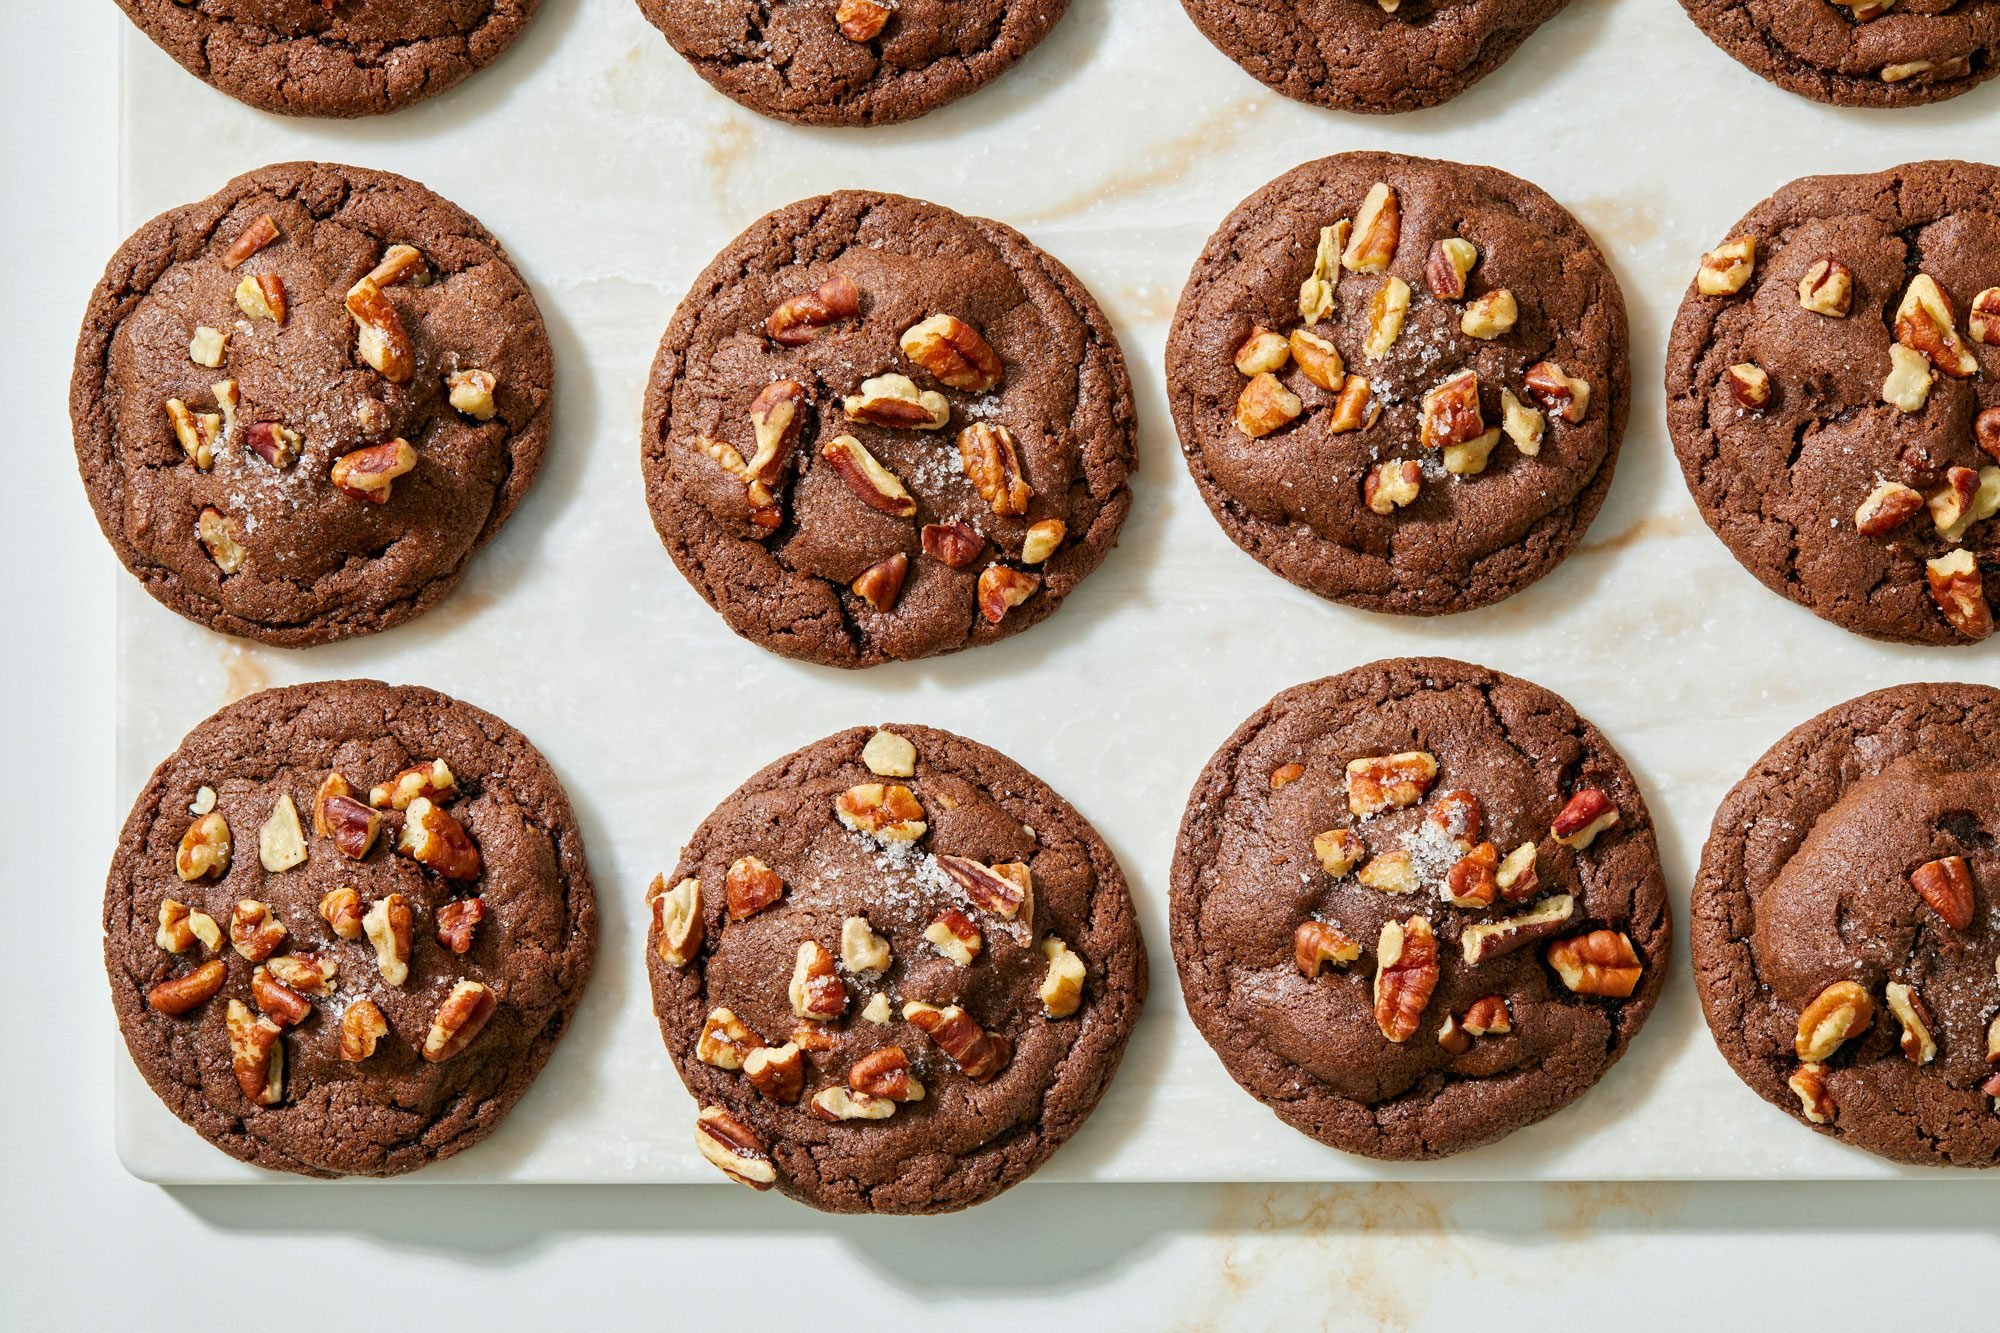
(1002, 588)
(341, 909)
(277, 1001)
(887, 812)
(952, 544)
(817, 992)
(1062, 984)
(875, 485)
(390, 927)
(1004, 890)
(1387, 782)
(256, 1054)
(1391, 872)
(1959, 589)
(1827, 288)
(1447, 266)
(462, 1017)
(1808, 1082)
(1473, 880)
(677, 919)
(1263, 352)
(370, 473)
(750, 886)
(862, 951)
(1602, 962)
(259, 232)
(726, 1041)
(471, 393)
(777, 1072)
(1556, 392)
(1483, 941)
(954, 352)
(1318, 360)
(1888, 507)
(1725, 269)
(1316, 944)
(1841, 1011)
(211, 529)
(896, 402)
(889, 755)
(1588, 813)
(885, 1072)
(1925, 322)
(862, 21)
(1378, 226)
(881, 583)
(1392, 486)
(382, 340)
(1917, 1043)
(361, 1027)
(1946, 885)
(1488, 1017)
(1339, 851)
(433, 837)
(456, 921)
(254, 930)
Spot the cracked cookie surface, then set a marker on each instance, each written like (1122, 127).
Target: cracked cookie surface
(984, 1120)
(1255, 869)
(305, 561)
(1807, 881)
(1354, 55)
(801, 60)
(781, 563)
(531, 944)
(1783, 483)
(340, 59)
(1859, 52)
(1299, 494)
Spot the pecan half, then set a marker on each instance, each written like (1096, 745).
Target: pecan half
(875, 485)
(1946, 885)
(896, 402)
(799, 320)
(1406, 972)
(461, 1017)
(177, 995)
(992, 463)
(734, 1148)
(979, 1054)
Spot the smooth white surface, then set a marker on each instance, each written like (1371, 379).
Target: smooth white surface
(1650, 629)
(84, 1246)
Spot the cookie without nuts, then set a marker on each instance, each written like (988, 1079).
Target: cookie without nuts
(1252, 866)
(531, 945)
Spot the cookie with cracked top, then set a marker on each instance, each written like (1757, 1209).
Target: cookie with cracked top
(851, 62)
(1833, 392)
(1417, 906)
(877, 430)
(1847, 925)
(1874, 53)
(1401, 383)
(333, 58)
(895, 970)
(303, 404)
(1374, 56)
(346, 925)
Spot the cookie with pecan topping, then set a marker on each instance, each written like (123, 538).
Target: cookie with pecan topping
(346, 925)
(1847, 925)
(896, 972)
(1377, 56)
(1877, 53)
(332, 57)
(303, 404)
(1418, 906)
(1833, 392)
(1401, 383)
(878, 430)
(851, 62)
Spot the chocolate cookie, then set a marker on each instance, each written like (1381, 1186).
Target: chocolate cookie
(936, 420)
(1417, 906)
(896, 971)
(1837, 418)
(331, 57)
(1859, 52)
(1847, 924)
(346, 925)
(851, 62)
(302, 404)
(1376, 56)
(1401, 383)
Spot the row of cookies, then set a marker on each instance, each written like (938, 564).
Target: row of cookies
(875, 62)
(1414, 908)
(877, 429)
